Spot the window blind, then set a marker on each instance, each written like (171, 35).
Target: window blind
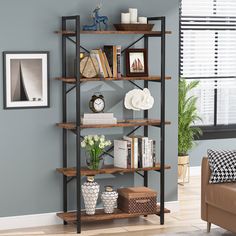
(208, 54)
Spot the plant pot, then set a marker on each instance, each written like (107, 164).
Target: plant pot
(183, 167)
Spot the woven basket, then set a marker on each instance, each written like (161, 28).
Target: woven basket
(137, 200)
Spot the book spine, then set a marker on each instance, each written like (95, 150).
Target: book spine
(109, 54)
(114, 62)
(118, 51)
(102, 63)
(98, 115)
(107, 65)
(135, 143)
(140, 161)
(129, 153)
(155, 161)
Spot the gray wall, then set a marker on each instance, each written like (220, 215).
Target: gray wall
(30, 147)
(201, 149)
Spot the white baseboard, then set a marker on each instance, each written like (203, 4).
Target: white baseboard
(28, 221)
(195, 171)
(39, 220)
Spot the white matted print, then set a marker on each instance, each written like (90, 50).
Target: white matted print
(26, 79)
(137, 64)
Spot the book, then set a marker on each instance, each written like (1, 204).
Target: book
(111, 54)
(121, 153)
(114, 61)
(98, 116)
(134, 150)
(108, 68)
(100, 53)
(145, 152)
(94, 53)
(118, 53)
(98, 121)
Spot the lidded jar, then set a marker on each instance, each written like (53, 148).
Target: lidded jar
(109, 199)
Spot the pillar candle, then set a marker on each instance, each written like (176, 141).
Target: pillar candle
(142, 20)
(133, 15)
(125, 18)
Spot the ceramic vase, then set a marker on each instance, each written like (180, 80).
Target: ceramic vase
(109, 199)
(90, 190)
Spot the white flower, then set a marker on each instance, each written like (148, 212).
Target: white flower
(91, 142)
(101, 145)
(83, 144)
(96, 138)
(108, 143)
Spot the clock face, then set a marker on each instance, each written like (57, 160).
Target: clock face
(99, 105)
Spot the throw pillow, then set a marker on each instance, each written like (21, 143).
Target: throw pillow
(223, 166)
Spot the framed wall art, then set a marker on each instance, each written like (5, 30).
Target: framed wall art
(136, 62)
(26, 80)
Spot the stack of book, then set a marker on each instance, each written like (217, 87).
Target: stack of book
(98, 119)
(135, 152)
(108, 60)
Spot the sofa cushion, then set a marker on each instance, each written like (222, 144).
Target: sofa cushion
(222, 165)
(222, 196)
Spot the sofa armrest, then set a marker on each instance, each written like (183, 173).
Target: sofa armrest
(204, 183)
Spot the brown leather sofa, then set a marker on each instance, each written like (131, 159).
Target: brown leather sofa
(218, 201)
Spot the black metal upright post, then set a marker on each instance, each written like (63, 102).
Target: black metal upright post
(64, 116)
(78, 163)
(146, 113)
(162, 177)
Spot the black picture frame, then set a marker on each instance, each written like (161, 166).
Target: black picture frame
(39, 61)
(143, 61)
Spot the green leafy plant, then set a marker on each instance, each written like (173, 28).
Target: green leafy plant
(187, 117)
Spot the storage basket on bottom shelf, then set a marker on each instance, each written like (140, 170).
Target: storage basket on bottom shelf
(137, 200)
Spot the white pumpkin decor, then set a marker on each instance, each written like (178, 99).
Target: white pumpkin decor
(138, 99)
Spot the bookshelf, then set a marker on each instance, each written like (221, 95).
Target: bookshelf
(73, 83)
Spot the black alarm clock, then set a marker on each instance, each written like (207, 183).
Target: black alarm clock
(97, 103)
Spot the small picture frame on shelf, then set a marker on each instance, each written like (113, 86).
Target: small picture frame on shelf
(26, 80)
(136, 62)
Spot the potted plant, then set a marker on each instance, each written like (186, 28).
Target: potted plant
(95, 146)
(186, 130)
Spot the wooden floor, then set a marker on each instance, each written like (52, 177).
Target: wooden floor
(187, 218)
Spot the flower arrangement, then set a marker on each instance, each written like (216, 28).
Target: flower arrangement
(94, 146)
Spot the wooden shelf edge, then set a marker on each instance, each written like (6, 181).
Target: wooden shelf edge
(72, 80)
(71, 172)
(71, 217)
(72, 33)
(120, 123)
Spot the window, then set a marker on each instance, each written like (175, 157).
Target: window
(208, 54)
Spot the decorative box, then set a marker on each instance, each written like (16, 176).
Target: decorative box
(137, 200)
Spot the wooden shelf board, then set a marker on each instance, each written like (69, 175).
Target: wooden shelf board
(71, 217)
(72, 33)
(121, 123)
(72, 80)
(109, 169)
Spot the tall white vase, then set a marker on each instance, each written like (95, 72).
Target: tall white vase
(90, 190)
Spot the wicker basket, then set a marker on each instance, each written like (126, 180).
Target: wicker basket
(137, 200)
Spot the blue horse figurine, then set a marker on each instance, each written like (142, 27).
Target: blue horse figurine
(100, 19)
(92, 27)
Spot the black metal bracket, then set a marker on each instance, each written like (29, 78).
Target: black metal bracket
(139, 174)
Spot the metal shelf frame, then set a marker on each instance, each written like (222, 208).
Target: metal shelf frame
(65, 91)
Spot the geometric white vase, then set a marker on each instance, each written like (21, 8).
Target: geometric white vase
(109, 199)
(90, 190)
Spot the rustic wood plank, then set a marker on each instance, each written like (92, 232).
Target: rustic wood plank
(72, 33)
(121, 123)
(71, 217)
(108, 169)
(72, 80)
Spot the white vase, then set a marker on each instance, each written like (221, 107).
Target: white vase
(90, 190)
(109, 199)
